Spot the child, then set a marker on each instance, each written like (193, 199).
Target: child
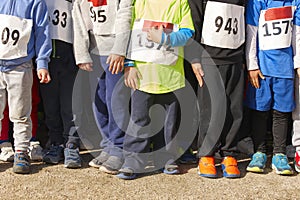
(57, 95)
(220, 29)
(296, 118)
(101, 37)
(24, 24)
(271, 76)
(159, 28)
(35, 150)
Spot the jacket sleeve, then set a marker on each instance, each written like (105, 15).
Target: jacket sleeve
(251, 47)
(193, 49)
(42, 36)
(123, 25)
(81, 32)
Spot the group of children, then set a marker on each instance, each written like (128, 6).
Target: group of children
(141, 45)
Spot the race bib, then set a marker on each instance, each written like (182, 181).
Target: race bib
(103, 15)
(141, 49)
(275, 28)
(223, 25)
(60, 19)
(15, 34)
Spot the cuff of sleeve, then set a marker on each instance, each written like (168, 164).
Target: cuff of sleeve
(42, 64)
(129, 63)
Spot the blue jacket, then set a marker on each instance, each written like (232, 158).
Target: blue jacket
(39, 44)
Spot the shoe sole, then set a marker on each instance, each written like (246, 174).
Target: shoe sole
(207, 175)
(171, 172)
(108, 171)
(126, 177)
(229, 175)
(284, 172)
(255, 169)
(21, 171)
(92, 164)
(49, 161)
(72, 165)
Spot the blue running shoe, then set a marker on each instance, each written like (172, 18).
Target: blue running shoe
(54, 155)
(72, 157)
(188, 157)
(21, 163)
(258, 163)
(281, 165)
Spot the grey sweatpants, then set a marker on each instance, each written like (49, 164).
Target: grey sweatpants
(296, 117)
(15, 86)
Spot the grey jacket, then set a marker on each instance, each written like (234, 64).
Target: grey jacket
(86, 42)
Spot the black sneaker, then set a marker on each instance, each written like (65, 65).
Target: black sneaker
(54, 155)
(21, 163)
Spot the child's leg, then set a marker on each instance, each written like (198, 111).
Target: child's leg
(136, 140)
(19, 102)
(296, 117)
(280, 129)
(35, 103)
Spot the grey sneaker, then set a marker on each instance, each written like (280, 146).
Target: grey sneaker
(35, 151)
(99, 160)
(7, 152)
(21, 163)
(112, 165)
(54, 155)
(72, 157)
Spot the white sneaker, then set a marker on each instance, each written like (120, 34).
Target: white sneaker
(35, 151)
(7, 152)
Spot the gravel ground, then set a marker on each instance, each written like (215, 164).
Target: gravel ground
(56, 182)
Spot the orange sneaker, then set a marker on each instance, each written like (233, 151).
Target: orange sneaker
(230, 168)
(206, 167)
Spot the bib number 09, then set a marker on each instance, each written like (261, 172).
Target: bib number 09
(7, 35)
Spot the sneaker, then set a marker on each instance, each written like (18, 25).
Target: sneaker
(99, 160)
(230, 168)
(207, 168)
(188, 157)
(281, 165)
(126, 174)
(35, 151)
(111, 165)
(171, 169)
(72, 157)
(54, 155)
(21, 163)
(258, 163)
(7, 152)
(297, 161)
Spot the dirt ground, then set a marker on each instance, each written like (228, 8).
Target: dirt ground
(56, 182)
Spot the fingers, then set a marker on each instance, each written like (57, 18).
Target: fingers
(261, 75)
(86, 66)
(199, 73)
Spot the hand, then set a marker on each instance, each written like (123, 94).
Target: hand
(43, 75)
(253, 76)
(154, 34)
(198, 71)
(132, 77)
(86, 66)
(116, 63)
(298, 72)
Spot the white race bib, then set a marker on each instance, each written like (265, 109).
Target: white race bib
(60, 19)
(275, 28)
(103, 15)
(15, 34)
(141, 49)
(223, 25)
